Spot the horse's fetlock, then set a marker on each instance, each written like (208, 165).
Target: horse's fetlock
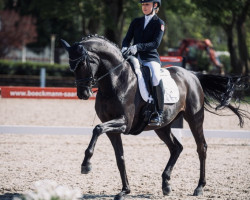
(202, 183)
(165, 177)
(126, 190)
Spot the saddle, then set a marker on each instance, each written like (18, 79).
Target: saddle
(144, 77)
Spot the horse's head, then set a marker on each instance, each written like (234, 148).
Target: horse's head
(83, 67)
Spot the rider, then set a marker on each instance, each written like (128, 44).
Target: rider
(146, 33)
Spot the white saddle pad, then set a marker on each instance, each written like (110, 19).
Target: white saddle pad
(171, 94)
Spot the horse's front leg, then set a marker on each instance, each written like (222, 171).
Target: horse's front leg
(112, 126)
(118, 147)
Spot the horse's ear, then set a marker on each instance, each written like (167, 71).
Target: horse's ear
(65, 44)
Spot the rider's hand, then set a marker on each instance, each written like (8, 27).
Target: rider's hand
(124, 49)
(133, 49)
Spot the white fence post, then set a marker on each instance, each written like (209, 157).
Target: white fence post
(23, 53)
(42, 77)
(52, 49)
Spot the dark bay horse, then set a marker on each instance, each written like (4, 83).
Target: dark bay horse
(121, 108)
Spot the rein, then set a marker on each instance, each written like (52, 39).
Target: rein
(109, 72)
(92, 80)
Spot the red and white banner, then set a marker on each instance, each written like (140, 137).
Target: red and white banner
(177, 59)
(41, 93)
(168, 61)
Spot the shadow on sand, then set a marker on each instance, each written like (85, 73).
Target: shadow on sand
(110, 197)
(10, 196)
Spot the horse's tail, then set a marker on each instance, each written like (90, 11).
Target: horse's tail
(220, 91)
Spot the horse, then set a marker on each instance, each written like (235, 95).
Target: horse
(97, 61)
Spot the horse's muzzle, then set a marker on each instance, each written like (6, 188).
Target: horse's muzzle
(84, 93)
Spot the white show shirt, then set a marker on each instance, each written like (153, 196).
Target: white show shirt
(147, 19)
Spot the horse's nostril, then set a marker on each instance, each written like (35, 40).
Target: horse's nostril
(85, 94)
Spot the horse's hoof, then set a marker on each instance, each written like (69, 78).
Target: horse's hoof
(120, 196)
(166, 190)
(86, 169)
(198, 191)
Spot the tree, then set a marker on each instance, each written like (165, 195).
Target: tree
(227, 14)
(70, 20)
(241, 32)
(16, 31)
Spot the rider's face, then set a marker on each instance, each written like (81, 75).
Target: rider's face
(147, 8)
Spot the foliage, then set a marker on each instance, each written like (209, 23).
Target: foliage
(1, 5)
(32, 68)
(231, 16)
(177, 25)
(16, 31)
(71, 20)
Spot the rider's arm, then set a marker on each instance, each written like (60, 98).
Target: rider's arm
(155, 43)
(129, 36)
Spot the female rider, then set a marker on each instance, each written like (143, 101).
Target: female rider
(146, 33)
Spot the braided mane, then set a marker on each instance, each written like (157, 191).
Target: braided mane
(90, 36)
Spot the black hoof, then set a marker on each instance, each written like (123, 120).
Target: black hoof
(198, 191)
(120, 196)
(166, 190)
(86, 169)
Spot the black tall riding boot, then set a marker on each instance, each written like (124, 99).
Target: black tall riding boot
(157, 118)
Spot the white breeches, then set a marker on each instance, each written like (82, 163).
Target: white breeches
(156, 71)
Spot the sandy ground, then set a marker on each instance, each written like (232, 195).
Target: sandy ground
(29, 158)
(42, 112)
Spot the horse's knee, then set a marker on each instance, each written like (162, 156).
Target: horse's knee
(202, 148)
(180, 149)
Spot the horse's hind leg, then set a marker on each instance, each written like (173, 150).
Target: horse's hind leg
(196, 125)
(175, 149)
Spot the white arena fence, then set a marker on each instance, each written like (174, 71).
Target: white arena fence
(179, 133)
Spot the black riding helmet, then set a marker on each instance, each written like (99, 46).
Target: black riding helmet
(155, 1)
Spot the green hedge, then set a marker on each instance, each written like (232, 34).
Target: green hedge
(32, 68)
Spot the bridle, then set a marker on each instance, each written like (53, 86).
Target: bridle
(82, 82)
(92, 80)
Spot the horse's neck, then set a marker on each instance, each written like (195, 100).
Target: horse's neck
(117, 81)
